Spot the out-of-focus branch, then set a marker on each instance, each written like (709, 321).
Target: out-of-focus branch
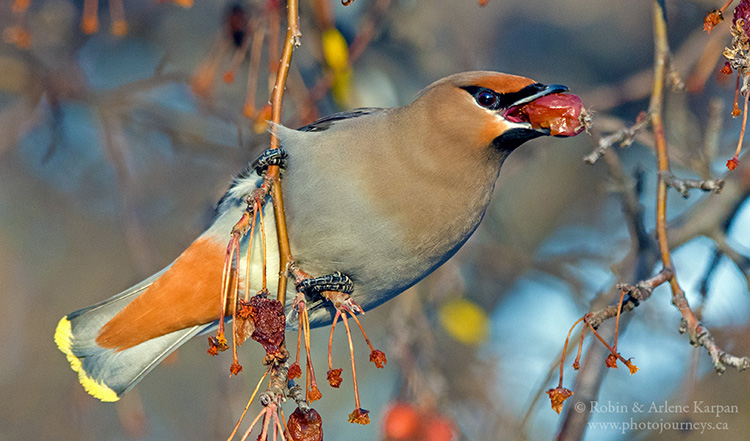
(116, 148)
(694, 54)
(131, 90)
(637, 265)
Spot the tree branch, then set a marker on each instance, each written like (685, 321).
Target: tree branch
(623, 137)
(683, 186)
(292, 40)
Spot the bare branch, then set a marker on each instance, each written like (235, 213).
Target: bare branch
(623, 137)
(640, 291)
(719, 357)
(683, 186)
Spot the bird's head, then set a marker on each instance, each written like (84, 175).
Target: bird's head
(491, 109)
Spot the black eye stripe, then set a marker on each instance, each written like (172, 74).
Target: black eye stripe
(504, 100)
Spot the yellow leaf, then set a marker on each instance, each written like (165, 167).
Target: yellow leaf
(465, 321)
(335, 49)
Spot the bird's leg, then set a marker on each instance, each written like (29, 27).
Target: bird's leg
(337, 281)
(335, 287)
(268, 158)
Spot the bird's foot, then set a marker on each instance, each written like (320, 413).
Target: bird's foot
(268, 158)
(335, 287)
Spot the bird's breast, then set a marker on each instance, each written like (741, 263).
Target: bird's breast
(385, 222)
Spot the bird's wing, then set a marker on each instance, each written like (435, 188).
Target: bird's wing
(325, 122)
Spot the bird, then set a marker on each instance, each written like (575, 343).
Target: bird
(381, 197)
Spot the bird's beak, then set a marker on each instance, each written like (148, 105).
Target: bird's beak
(546, 110)
(539, 91)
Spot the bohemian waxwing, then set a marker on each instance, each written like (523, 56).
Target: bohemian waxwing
(383, 196)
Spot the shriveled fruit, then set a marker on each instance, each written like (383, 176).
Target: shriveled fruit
(562, 113)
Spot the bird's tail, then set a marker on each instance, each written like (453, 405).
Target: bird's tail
(108, 373)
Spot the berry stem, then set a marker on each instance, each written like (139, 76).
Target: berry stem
(354, 367)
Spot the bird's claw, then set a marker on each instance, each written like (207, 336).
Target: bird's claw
(342, 301)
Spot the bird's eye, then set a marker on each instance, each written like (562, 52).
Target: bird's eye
(485, 98)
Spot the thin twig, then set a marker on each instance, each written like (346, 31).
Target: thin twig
(357, 404)
(683, 186)
(247, 406)
(655, 109)
(623, 137)
(636, 293)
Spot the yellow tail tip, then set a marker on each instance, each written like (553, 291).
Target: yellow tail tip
(64, 336)
(64, 342)
(97, 389)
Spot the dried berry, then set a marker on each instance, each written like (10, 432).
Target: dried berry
(269, 322)
(712, 19)
(360, 416)
(611, 361)
(633, 368)
(558, 396)
(732, 163)
(727, 69)
(742, 16)
(314, 394)
(294, 371)
(236, 24)
(305, 426)
(378, 357)
(217, 344)
(244, 325)
(17, 35)
(438, 428)
(334, 377)
(235, 368)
